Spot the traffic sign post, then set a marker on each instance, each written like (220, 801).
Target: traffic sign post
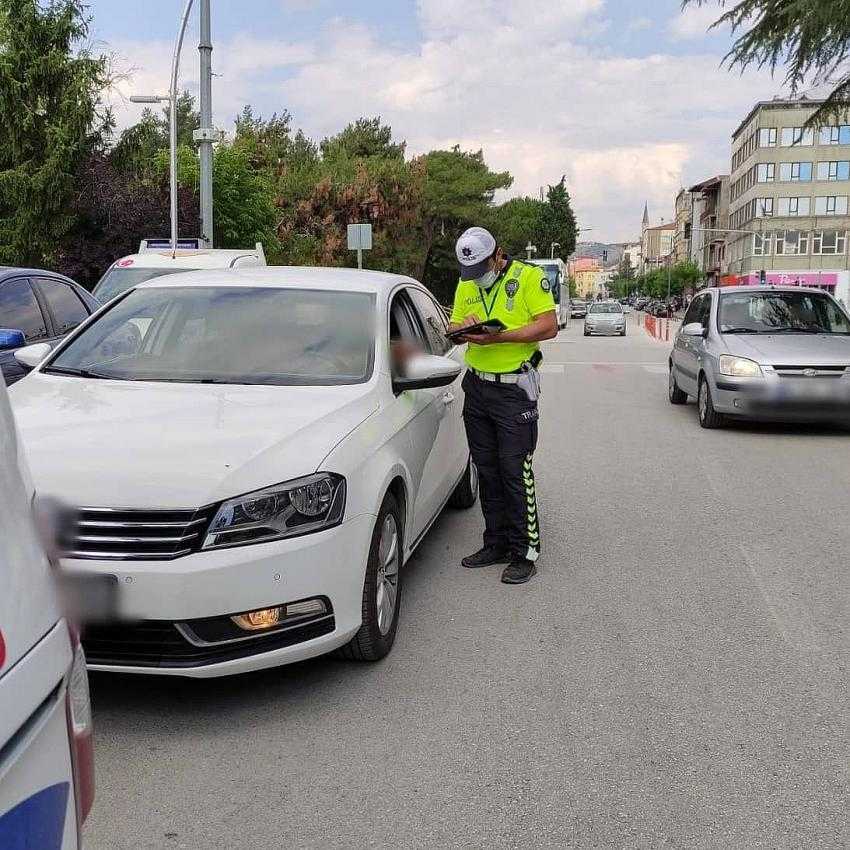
(360, 240)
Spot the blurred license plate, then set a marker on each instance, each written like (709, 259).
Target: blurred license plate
(89, 597)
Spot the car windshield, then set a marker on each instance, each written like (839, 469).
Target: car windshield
(606, 308)
(229, 335)
(118, 280)
(780, 312)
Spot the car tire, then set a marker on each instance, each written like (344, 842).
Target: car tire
(676, 395)
(708, 416)
(622, 333)
(587, 333)
(465, 495)
(381, 588)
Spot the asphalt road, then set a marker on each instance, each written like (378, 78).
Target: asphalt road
(675, 676)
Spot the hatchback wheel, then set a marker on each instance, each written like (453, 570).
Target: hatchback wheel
(708, 416)
(465, 495)
(675, 395)
(381, 589)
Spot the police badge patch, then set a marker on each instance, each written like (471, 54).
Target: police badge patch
(511, 289)
(545, 285)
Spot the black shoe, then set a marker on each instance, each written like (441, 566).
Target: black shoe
(519, 571)
(486, 557)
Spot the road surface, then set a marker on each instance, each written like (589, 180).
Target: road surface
(675, 676)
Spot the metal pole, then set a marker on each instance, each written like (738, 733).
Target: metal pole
(205, 147)
(175, 68)
(360, 259)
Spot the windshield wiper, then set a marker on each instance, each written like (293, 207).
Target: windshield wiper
(81, 373)
(739, 331)
(789, 330)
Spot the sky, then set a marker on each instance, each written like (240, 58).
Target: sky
(627, 98)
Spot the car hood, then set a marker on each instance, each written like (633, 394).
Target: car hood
(102, 443)
(791, 349)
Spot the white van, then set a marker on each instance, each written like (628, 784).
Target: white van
(156, 258)
(556, 271)
(46, 752)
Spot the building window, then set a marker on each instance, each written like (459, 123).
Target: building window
(762, 244)
(838, 135)
(767, 137)
(829, 242)
(793, 137)
(794, 206)
(762, 208)
(766, 172)
(834, 171)
(795, 172)
(831, 205)
(792, 242)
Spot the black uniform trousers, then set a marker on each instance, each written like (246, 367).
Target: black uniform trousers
(501, 427)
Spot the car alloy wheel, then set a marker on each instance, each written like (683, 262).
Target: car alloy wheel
(708, 416)
(389, 557)
(381, 598)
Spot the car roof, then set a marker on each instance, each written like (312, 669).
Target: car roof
(9, 271)
(188, 258)
(286, 277)
(762, 288)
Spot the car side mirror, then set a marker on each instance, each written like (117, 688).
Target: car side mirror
(693, 329)
(31, 355)
(11, 338)
(426, 371)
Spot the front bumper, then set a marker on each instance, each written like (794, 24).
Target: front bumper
(605, 330)
(776, 398)
(156, 598)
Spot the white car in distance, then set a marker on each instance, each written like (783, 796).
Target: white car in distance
(255, 455)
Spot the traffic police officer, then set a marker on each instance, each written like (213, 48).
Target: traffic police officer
(501, 388)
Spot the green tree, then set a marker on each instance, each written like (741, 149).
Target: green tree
(458, 192)
(366, 137)
(52, 117)
(245, 212)
(517, 221)
(810, 37)
(558, 223)
(136, 150)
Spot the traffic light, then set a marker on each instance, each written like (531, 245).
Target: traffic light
(604, 257)
(763, 277)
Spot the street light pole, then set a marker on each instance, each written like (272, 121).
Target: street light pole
(554, 246)
(205, 133)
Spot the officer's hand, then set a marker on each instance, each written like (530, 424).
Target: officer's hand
(481, 339)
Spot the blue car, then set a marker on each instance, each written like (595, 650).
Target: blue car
(37, 306)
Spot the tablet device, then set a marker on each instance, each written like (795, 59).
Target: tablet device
(492, 326)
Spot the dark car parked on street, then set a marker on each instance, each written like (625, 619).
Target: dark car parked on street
(37, 306)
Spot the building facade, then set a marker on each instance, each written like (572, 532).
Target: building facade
(684, 209)
(789, 196)
(711, 226)
(656, 246)
(585, 272)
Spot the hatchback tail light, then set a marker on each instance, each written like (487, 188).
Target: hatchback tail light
(78, 711)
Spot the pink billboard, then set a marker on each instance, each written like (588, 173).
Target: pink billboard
(816, 279)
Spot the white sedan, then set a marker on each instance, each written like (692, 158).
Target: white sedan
(255, 455)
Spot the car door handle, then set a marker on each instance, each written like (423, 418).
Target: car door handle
(448, 399)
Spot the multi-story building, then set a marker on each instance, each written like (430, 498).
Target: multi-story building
(684, 207)
(790, 188)
(585, 271)
(711, 226)
(656, 244)
(632, 253)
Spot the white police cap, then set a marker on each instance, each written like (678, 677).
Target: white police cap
(474, 249)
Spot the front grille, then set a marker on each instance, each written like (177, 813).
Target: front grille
(137, 535)
(158, 643)
(796, 371)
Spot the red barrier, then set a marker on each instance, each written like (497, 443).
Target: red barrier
(649, 324)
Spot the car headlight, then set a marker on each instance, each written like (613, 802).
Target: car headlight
(739, 367)
(297, 507)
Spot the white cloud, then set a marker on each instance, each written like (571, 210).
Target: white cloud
(538, 101)
(639, 24)
(694, 21)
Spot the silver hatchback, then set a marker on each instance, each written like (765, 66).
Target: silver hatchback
(605, 317)
(763, 352)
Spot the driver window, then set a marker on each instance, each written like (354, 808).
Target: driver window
(692, 314)
(406, 338)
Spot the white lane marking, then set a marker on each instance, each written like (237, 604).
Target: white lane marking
(641, 365)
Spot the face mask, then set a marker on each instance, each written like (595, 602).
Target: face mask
(488, 280)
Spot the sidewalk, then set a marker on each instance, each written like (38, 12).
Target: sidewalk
(660, 330)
